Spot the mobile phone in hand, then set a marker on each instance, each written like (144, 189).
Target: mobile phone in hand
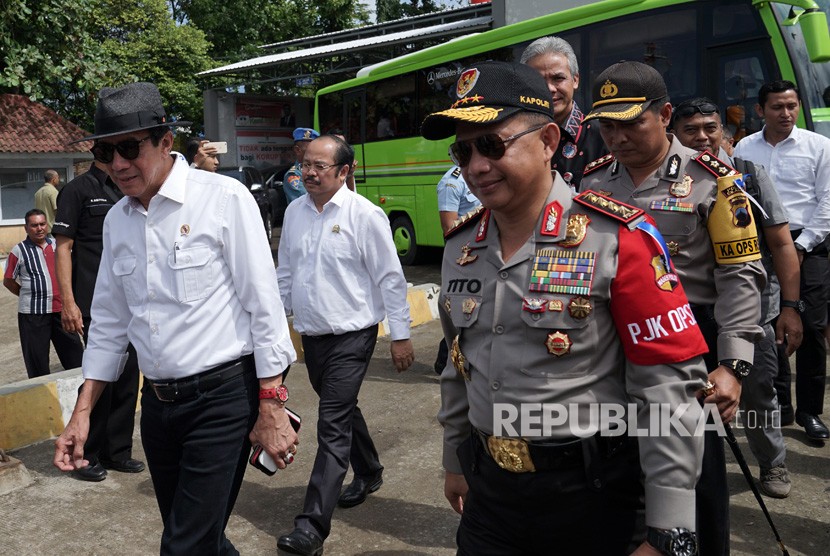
(260, 458)
(220, 146)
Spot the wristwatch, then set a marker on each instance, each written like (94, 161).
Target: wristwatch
(280, 393)
(798, 305)
(673, 542)
(740, 367)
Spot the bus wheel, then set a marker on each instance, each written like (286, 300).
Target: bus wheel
(403, 235)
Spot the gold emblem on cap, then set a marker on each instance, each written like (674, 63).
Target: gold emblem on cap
(558, 343)
(608, 89)
(580, 307)
(458, 359)
(465, 257)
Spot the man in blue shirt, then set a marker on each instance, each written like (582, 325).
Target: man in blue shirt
(454, 198)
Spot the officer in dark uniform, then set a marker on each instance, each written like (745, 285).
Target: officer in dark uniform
(83, 204)
(580, 143)
(557, 307)
(708, 225)
(293, 180)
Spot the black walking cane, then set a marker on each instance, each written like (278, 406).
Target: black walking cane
(733, 444)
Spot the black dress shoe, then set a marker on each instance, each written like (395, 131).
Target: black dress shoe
(360, 488)
(300, 541)
(124, 466)
(92, 473)
(816, 430)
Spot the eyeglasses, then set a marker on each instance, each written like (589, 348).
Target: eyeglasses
(318, 167)
(128, 149)
(489, 145)
(689, 110)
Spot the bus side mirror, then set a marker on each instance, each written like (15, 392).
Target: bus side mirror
(813, 25)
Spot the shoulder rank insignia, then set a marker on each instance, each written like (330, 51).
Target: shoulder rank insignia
(615, 209)
(465, 221)
(716, 166)
(457, 172)
(598, 163)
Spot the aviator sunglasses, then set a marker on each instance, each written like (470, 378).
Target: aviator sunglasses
(689, 110)
(489, 145)
(128, 149)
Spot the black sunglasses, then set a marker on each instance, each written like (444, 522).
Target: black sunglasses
(128, 149)
(490, 145)
(689, 110)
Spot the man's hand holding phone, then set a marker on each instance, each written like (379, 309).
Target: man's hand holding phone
(263, 461)
(275, 432)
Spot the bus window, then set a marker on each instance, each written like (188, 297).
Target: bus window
(355, 132)
(731, 21)
(742, 76)
(666, 40)
(330, 110)
(390, 109)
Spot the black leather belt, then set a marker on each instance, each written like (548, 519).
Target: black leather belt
(518, 455)
(186, 388)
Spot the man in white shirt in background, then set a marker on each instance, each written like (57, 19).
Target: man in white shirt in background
(185, 279)
(798, 161)
(339, 274)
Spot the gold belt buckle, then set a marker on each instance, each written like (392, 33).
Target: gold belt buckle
(511, 454)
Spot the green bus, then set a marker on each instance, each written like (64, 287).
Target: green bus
(722, 49)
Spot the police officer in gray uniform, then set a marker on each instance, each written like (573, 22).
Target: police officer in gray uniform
(711, 235)
(559, 310)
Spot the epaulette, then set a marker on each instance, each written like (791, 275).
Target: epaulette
(598, 163)
(457, 172)
(615, 209)
(716, 166)
(472, 216)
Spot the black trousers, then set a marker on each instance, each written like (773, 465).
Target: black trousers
(113, 417)
(197, 450)
(594, 509)
(36, 331)
(811, 356)
(336, 367)
(712, 489)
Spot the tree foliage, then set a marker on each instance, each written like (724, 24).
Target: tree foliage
(61, 52)
(389, 10)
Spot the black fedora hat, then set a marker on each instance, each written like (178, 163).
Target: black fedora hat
(129, 108)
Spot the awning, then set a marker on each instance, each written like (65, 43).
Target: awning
(434, 31)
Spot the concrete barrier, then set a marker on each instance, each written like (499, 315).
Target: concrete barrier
(37, 409)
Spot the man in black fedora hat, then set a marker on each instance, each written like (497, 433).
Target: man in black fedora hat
(183, 278)
(545, 300)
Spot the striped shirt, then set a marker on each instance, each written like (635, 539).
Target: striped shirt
(34, 268)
